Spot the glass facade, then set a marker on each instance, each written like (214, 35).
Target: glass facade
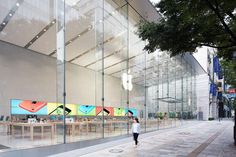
(75, 70)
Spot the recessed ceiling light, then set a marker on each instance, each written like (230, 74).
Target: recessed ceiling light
(100, 21)
(79, 35)
(53, 22)
(18, 4)
(10, 14)
(37, 36)
(44, 30)
(3, 23)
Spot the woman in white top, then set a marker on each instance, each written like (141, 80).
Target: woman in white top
(136, 130)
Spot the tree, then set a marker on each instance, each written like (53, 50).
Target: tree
(229, 72)
(187, 25)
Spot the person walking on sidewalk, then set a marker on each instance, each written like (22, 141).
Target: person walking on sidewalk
(136, 130)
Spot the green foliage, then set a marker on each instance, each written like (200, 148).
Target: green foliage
(160, 115)
(178, 115)
(187, 115)
(172, 115)
(211, 118)
(187, 25)
(229, 71)
(234, 103)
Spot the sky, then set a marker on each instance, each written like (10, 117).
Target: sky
(200, 55)
(154, 1)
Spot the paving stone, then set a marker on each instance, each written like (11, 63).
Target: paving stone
(177, 142)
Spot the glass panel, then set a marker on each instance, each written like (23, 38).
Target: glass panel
(137, 64)
(60, 108)
(190, 112)
(97, 124)
(84, 72)
(179, 86)
(172, 92)
(28, 74)
(185, 90)
(115, 67)
(115, 54)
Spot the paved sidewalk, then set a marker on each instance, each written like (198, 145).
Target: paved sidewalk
(203, 139)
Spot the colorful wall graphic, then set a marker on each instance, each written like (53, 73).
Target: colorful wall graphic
(108, 111)
(119, 111)
(28, 107)
(86, 110)
(131, 112)
(45, 108)
(57, 109)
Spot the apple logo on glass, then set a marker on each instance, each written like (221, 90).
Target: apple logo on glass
(127, 81)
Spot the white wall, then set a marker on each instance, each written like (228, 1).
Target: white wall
(201, 56)
(202, 89)
(32, 76)
(25, 75)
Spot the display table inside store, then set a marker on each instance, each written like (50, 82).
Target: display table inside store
(74, 128)
(6, 124)
(108, 125)
(31, 127)
(71, 126)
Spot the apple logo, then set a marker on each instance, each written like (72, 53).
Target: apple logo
(127, 81)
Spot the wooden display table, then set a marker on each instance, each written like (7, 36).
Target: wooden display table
(32, 126)
(72, 126)
(75, 127)
(7, 124)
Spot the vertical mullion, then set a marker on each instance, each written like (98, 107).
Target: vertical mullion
(61, 85)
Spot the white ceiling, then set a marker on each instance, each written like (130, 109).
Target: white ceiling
(84, 32)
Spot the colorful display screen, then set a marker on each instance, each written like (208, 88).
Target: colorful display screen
(119, 111)
(107, 111)
(44, 108)
(131, 112)
(57, 109)
(28, 107)
(86, 110)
